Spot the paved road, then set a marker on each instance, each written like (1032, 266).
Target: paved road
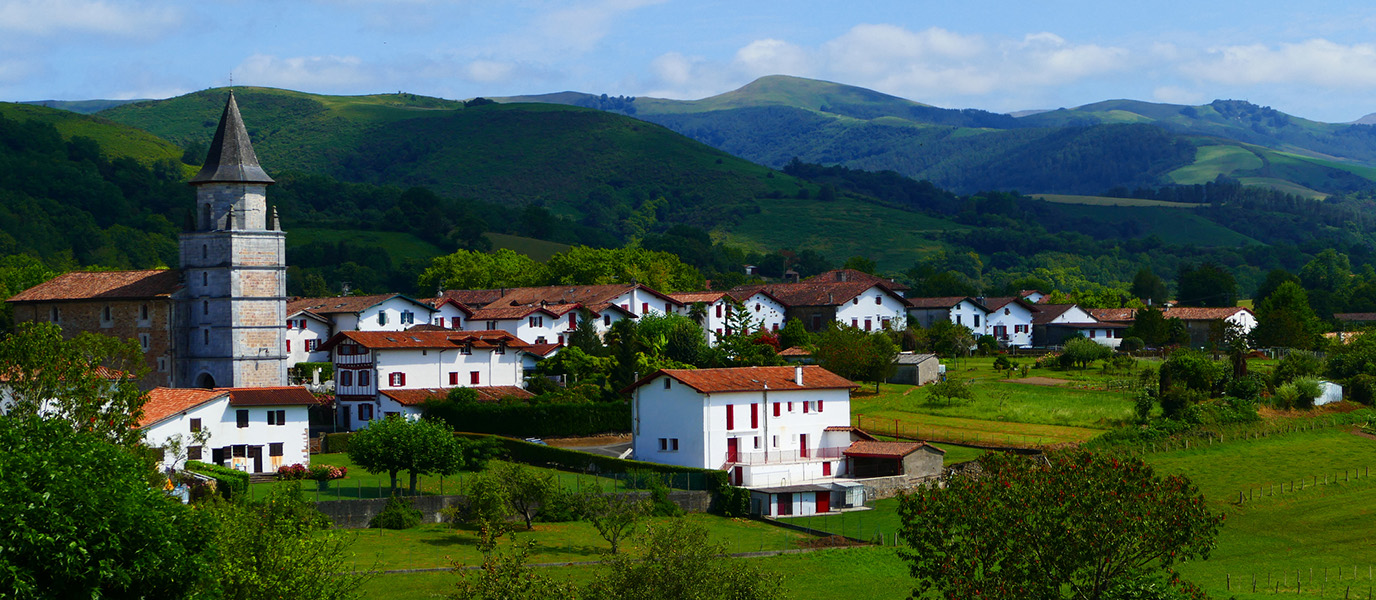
(612, 450)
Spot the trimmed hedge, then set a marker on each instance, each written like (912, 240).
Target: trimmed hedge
(534, 420)
(229, 481)
(335, 442)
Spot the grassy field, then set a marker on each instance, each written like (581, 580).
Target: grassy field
(1210, 161)
(115, 140)
(1109, 201)
(539, 250)
(362, 484)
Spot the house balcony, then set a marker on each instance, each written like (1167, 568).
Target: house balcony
(783, 457)
(353, 360)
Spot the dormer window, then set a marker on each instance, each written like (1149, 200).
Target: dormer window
(407, 317)
(501, 348)
(382, 318)
(466, 349)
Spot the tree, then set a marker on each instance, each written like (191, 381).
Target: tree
(526, 489)
(1273, 280)
(1072, 527)
(88, 382)
(948, 339)
(1148, 287)
(950, 390)
(419, 447)
(860, 263)
(1206, 285)
(1083, 351)
(1193, 370)
(469, 270)
(794, 335)
(855, 354)
(613, 515)
(282, 547)
(680, 561)
(81, 520)
(662, 271)
(1284, 319)
(505, 576)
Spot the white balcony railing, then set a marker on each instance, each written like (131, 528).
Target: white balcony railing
(795, 455)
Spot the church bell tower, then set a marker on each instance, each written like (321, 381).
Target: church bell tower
(233, 309)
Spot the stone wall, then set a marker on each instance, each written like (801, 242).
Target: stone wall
(355, 514)
(125, 323)
(878, 488)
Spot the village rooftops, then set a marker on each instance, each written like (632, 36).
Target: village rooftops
(814, 293)
(872, 449)
(941, 302)
(104, 285)
(490, 393)
(856, 275)
(493, 312)
(1113, 315)
(168, 402)
(424, 340)
(345, 304)
(1355, 317)
(595, 297)
(1184, 313)
(752, 379)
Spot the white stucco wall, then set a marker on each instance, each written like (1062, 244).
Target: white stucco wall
(221, 421)
(371, 318)
(315, 333)
(863, 307)
(1017, 319)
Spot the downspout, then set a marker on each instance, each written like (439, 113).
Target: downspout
(767, 412)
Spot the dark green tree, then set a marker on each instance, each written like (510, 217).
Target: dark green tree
(1285, 319)
(856, 354)
(1273, 280)
(1148, 287)
(1206, 284)
(794, 335)
(681, 561)
(420, 447)
(860, 263)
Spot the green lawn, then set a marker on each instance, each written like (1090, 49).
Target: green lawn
(437, 545)
(362, 484)
(881, 520)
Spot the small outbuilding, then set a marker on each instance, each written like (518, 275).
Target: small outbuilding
(1329, 393)
(888, 459)
(916, 369)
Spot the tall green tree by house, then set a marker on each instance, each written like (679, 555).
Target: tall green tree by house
(855, 354)
(1206, 284)
(1285, 319)
(419, 447)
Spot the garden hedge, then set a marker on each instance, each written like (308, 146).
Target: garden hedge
(229, 481)
(534, 420)
(335, 442)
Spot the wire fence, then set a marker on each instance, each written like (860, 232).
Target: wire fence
(897, 429)
(1301, 484)
(1329, 581)
(1218, 434)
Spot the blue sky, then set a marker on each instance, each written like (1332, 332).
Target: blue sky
(1314, 59)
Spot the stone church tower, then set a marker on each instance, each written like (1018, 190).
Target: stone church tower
(233, 307)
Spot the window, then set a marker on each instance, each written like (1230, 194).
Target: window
(644, 308)
(55, 315)
(382, 318)
(277, 417)
(105, 314)
(396, 379)
(501, 348)
(241, 418)
(143, 312)
(205, 278)
(775, 442)
(195, 425)
(144, 341)
(774, 327)
(730, 417)
(205, 336)
(536, 321)
(757, 307)
(826, 469)
(365, 412)
(311, 345)
(607, 320)
(976, 320)
(790, 407)
(663, 444)
(718, 311)
(453, 378)
(1005, 312)
(754, 416)
(407, 317)
(346, 378)
(288, 345)
(854, 322)
(819, 406)
(466, 349)
(205, 251)
(958, 320)
(363, 378)
(806, 404)
(757, 442)
(275, 449)
(289, 324)
(205, 307)
(1091, 334)
(868, 324)
(673, 444)
(776, 409)
(474, 377)
(193, 453)
(490, 325)
(162, 364)
(854, 301)
(878, 300)
(816, 322)
(667, 382)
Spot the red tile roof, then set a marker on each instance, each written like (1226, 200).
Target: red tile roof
(813, 293)
(543, 349)
(166, 402)
(869, 449)
(112, 285)
(271, 396)
(854, 275)
(795, 351)
(1118, 315)
(1202, 313)
(1355, 317)
(943, 302)
(496, 313)
(490, 393)
(856, 431)
(751, 379)
(344, 304)
(692, 297)
(1047, 313)
(474, 298)
(424, 339)
(595, 297)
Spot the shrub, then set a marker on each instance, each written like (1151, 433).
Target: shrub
(1176, 401)
(660, 504)
(1132, 344)
(733, 501)
(1248, 387)
(1122, 362)
(1142, 405)
(1361, 389)
(292, 472)
(335, 442)
(1050, 359)
(397, 514)
(1003, 364)
(561, 506)
(228, 481)
(326, 472)
(1308, 390)
(1299, 363)
(1193, 370)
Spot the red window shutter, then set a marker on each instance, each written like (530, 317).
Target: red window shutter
(730, 417)
(776, 409)
(805, 403)
(573, 320)
(453, 378)
(754, 416)
(819, 406)
(441, 322)
(774, 327)
(288, 345)
(473, 377)
(855, 322)
(644, 308)
(826, 469)
(718, 311)
(403, 378)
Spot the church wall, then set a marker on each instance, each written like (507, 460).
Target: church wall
(155, 334)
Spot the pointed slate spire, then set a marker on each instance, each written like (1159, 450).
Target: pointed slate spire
(231, 158)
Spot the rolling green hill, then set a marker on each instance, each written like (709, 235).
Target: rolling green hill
(117, 140)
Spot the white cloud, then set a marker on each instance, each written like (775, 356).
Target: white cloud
(1314, 62)
(1045, 59)
(134, 19)
(580, 28)
(307, 73)
(488, 71)
(770, 56)
(1171, 94)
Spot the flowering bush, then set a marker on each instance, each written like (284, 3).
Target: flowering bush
(316, 472)
(292, 472)
(327, 472)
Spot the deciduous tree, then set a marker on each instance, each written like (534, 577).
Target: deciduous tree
(613, 515)
(1073, 526)
(420, 447)
(680, 561)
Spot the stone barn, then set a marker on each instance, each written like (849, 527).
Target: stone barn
(916, 369)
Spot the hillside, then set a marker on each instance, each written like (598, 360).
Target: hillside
(1086, 150)
(117, 140)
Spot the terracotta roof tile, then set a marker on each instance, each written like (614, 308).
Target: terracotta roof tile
(795, 351)
(750, 379)
(854, 275)
(113, 285)
(1119, 315)
(424, 339)
(869, 449)
(473, 298)
(1047, 313)
(856, 431)
(1201, 313)
(270, 396)
(344, 304)
(1355, 317)
(943, 302)
(543, 349)
(691, 297)
(812, 293)
(490, 393)
(166, 402)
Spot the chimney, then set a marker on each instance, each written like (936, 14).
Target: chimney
(798, 375)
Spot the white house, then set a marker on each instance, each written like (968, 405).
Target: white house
(1009, 320)
(1052, 324)
(549, 324)
(449, 313)
(607, 303)
(867, 305)
(255, 430)
(306, 331)
(960, 310)
(760, 310)
(367, 363)
(378, 312)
